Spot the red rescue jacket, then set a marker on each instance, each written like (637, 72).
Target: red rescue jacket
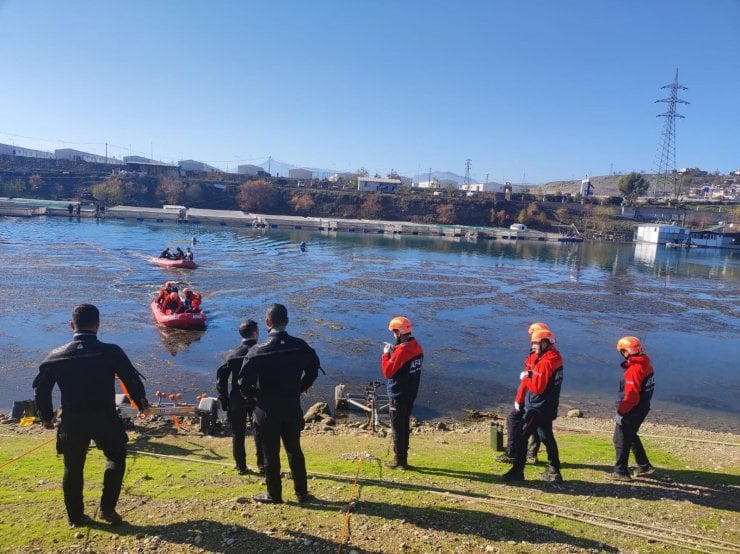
(637, 384)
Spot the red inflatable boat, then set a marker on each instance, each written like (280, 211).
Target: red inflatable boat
(179, 264)
(178, 321)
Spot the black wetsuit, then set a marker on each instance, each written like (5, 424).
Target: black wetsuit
(85, 370)
(276, 372)
(239, 408)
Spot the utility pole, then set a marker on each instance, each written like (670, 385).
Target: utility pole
(665, 157)
(468, 162)
(106, 153)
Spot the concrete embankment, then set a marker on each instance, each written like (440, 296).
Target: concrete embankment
(231, 218)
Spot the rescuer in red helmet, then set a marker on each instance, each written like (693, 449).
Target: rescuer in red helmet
(541, 400)
(636, 388)
(518, 412)
(401, 365)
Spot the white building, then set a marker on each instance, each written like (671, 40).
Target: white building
(661, 233)
(481, 187)
(299, 173)
(377, 184)
(80, 156)
(437, 184)
(12, 150)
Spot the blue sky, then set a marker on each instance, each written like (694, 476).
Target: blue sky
(530, 91)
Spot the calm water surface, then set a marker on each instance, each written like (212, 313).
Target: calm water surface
(471, 304)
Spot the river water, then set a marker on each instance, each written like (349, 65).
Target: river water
(470, 302)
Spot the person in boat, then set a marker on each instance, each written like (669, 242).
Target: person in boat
(238, 408)
(636, 391)
(401, 364)
(541, 400)
(276, 372)
(191, 302)
(164, 292)
(179, 254)
(517, 413)
(188, 254)
(195, 302)
(172, 303)
(166, 253)
(85, 371)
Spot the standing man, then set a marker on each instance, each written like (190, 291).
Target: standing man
(542, 382)
(401, 365)
(85, 371)
(636, 390)
(239, 409)
(276, 372)
(518, 412)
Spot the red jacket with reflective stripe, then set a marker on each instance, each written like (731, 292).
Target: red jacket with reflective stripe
(637, 384)
(402, 368)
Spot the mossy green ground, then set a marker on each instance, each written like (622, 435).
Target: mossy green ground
(179, 505)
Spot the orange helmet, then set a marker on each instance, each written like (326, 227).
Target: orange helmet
(536, 326)
(542, 334)
(186, 291)
(173, 296)
(400, 324)
(169, 284)
(631, 345)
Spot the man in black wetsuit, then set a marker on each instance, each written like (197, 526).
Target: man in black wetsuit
(85, 371)
(276, 372)
(239, 408)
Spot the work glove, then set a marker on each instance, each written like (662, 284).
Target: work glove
(517, 407)
(618, 419)
(224, 401)
(523, 375)
(388, 348)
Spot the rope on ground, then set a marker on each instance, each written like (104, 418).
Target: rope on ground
(183, 458)
(19, 456)
(348, 509)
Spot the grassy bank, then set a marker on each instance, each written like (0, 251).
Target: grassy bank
(182, 495)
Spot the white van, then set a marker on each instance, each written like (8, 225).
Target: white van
(518, 227)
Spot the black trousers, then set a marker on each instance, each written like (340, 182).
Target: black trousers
(73, 441)
(514, 417)
(272, 428)
(400, 416)
(533, 422)
(626, 439)
(238, 415)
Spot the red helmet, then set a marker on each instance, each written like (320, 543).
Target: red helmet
(631, 345)
(542, 334)
(173, 296)
(186, 291)
(536, 326)
(400, 324)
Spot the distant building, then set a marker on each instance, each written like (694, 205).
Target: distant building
(154, 169)
(12, 150)
(299, 173)
(251, 170)
(80, 156)
(193, 165)
(377, 184)
(341, 177)
(481, 187)
(437, 184)
(661, 233)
